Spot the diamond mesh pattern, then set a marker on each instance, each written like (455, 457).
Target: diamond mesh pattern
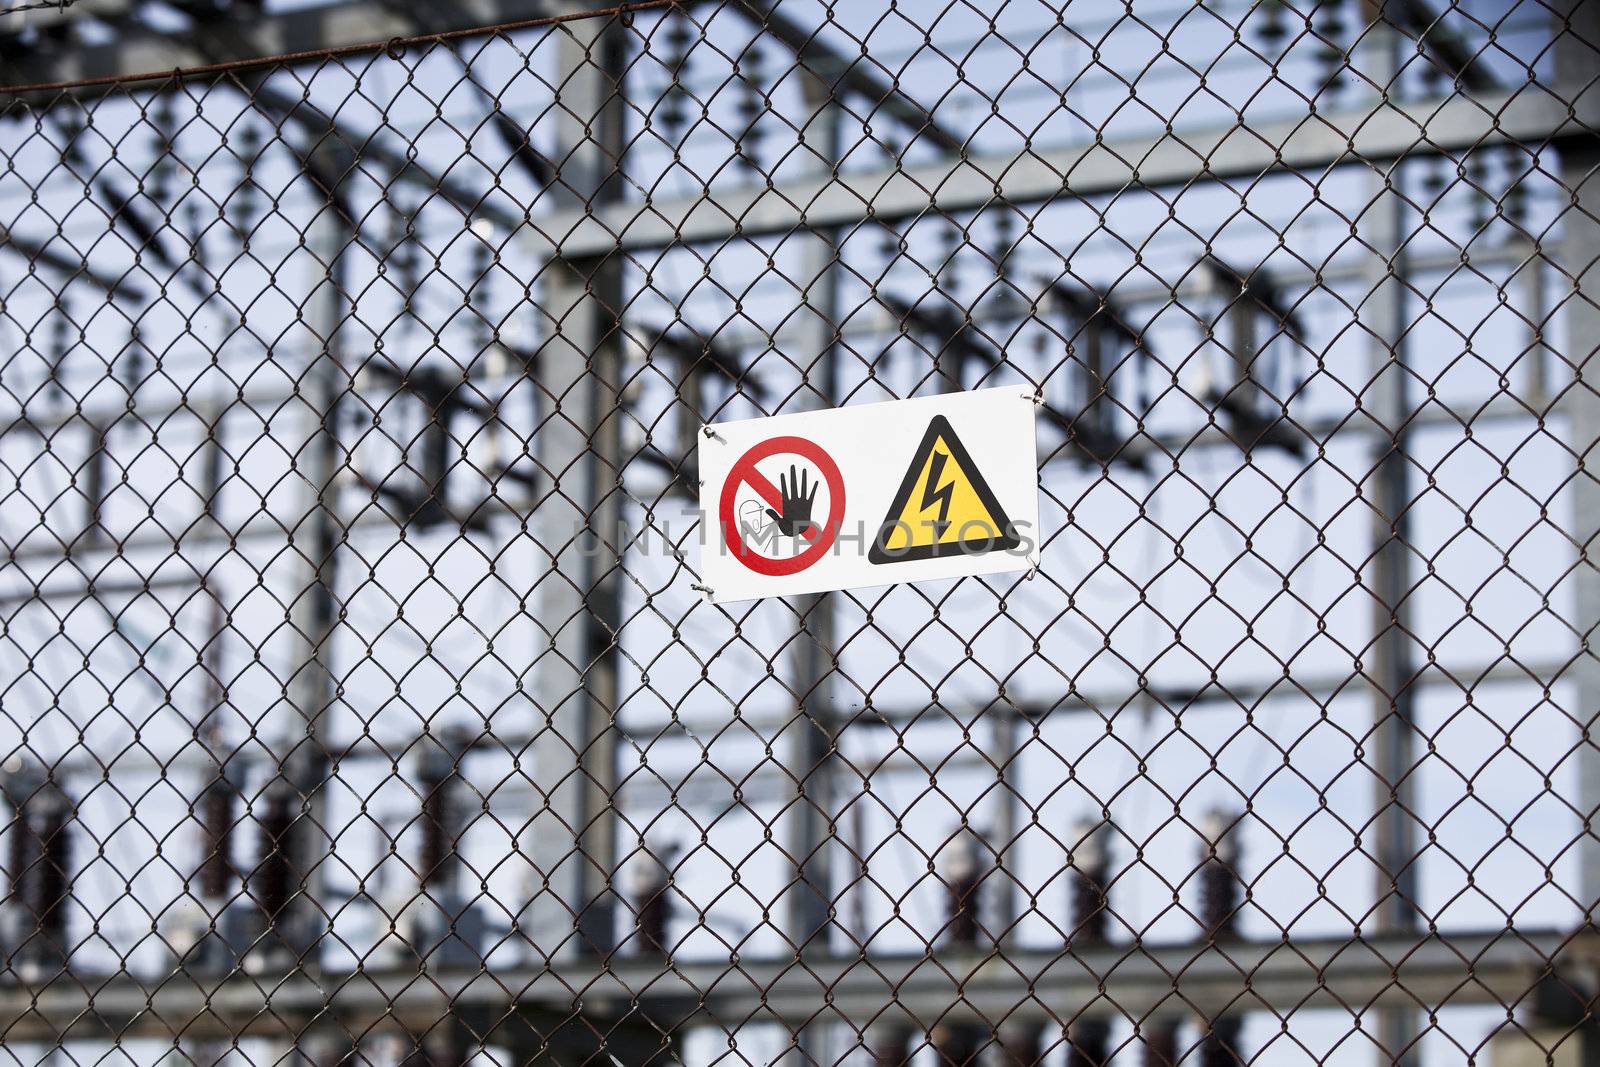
(358, 696)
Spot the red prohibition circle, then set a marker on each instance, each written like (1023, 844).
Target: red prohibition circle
(744, 470)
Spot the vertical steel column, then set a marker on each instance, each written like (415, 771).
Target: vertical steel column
(312, 612)
(1577, 57)
(813, 839)
(578, 520)
(1392, 748)
(813, 830)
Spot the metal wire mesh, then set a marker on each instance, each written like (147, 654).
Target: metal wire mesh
(359, 702)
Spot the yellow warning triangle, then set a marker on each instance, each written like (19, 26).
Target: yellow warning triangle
(943, 507)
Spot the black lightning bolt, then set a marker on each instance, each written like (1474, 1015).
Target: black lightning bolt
(940, 496)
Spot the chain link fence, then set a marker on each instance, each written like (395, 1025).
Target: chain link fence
(359, 702)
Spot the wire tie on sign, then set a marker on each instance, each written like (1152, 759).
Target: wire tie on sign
(714, 435)
(1036, 398)
(706, 589)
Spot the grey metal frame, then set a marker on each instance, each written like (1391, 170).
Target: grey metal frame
(582, 241)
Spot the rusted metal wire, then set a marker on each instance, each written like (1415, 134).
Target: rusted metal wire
(358, 692)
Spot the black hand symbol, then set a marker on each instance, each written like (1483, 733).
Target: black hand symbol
(797, 501)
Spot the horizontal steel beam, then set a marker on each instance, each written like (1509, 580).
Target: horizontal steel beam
(644, 786)
(1501, 969)
(871, 321)
(1373, 135)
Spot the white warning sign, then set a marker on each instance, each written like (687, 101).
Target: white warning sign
(907, 491)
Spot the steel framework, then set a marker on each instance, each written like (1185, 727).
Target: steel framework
(346, 703)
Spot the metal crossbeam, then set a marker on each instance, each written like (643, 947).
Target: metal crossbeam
(1372, 136)
(1501, 970)
(1321, 690)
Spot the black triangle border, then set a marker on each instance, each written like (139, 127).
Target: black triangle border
(1007, 539)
